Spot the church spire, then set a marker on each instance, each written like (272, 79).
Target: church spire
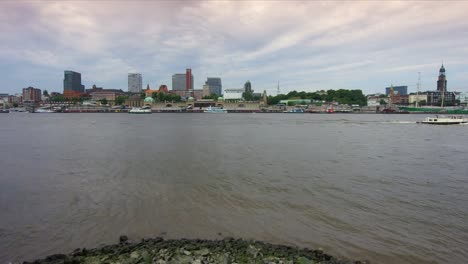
(442, 80)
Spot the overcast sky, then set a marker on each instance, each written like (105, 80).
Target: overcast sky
(305, 45)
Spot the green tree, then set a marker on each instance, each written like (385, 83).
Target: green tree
(422, 102)
(176, 98)
(291, 103)
(161, 97)
(45, 93)
(15, 104)
(211, 96)
(248, 96)
(58, 98)
(142, 95)
(103, 101)
(119, 100)
(382, 102)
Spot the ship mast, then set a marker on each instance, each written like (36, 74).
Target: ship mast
(417, 93)
(443, 99)
(278, 89)
(392, 94)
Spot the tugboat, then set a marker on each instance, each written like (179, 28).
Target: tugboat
(444, 120)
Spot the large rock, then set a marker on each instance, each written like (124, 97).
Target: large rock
(123, 239)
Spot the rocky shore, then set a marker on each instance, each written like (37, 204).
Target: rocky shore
(185, 251)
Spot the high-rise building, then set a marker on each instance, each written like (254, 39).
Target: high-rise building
(32, 94)
(212, 86)
(400, 90)
(248, 87)
(135, 82)
(188, 79)
(72, 82)
(442, 81)
(181, 81)
(178, 82)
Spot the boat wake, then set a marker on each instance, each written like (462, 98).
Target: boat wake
(399, 122)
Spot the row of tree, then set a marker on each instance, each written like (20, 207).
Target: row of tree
(249, 96)
(162, 97)
(211, 96)
(341, 96)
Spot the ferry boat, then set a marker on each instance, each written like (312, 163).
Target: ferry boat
(295, 111)
(18, 110)
(137, 110)
(215, 110)
(43, 110)
(444, 120)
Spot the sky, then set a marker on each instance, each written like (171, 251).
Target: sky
(303, 45)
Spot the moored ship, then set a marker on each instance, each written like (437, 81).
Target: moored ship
(138, 110)
(215, 110)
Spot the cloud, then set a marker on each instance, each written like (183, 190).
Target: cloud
(304, 45)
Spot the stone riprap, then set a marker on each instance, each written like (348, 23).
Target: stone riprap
(185, 251)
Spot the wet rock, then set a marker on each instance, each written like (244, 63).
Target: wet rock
(123, 239)
(202, 252)
(184, 260)
(198, 251)
(146, 256)
(134, 255)
(304, 260)
(253, 251)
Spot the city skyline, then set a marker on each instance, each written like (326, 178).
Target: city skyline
(306, 46)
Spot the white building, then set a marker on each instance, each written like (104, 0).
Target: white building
(417, 97)
(463, 97)
(374, 100)
(233, 94)
(135, 82)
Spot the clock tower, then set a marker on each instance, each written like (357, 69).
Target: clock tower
(442, 81)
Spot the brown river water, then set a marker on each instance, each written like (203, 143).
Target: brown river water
(374, 187)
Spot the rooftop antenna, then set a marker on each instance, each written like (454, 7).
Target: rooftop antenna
(277, 89)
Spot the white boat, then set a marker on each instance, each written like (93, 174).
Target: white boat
(295, 111)
(17, 110)
(138, 110)
(444, 120)
(215, 110)
(43, 110)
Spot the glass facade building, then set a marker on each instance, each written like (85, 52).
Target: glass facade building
(213, 84)
(135, 82)
(181, 81)
(72, 82)
(178, 82)
(400, 90)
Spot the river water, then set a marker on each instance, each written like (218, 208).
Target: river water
(375, 187)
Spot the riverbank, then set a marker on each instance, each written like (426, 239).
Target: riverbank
(162, 251)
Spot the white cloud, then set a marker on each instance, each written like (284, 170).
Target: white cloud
(303, 44)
